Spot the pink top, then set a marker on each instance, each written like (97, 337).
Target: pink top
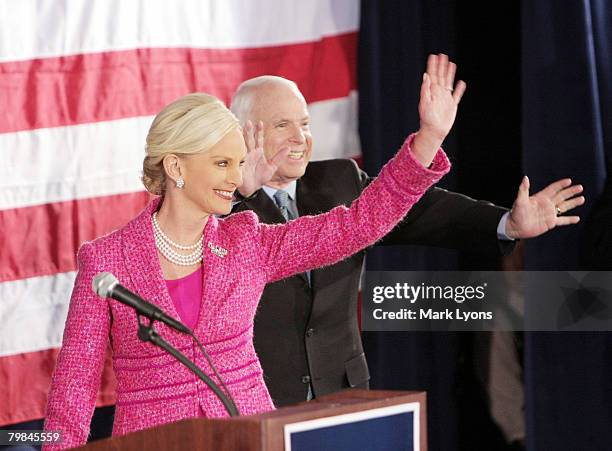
(186, 294)
(242, 255)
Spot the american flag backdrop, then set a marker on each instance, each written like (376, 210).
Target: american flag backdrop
(80, 81)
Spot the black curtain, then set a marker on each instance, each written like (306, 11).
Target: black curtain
(484, 147)
(394, 40)
(538, 102)
(567, 129)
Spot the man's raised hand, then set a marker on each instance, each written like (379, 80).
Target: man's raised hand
(257, 169)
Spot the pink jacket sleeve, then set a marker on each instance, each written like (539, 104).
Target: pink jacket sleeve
(76, 379)
(314, 241)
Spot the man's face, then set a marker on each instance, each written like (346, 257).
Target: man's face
(286, 124)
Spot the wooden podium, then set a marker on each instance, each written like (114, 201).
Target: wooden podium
(369, 418)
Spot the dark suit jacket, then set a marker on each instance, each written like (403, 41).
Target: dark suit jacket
(309, 333)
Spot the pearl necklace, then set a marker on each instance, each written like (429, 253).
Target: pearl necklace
(165, 246)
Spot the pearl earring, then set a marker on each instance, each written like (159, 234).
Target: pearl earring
(180, 183)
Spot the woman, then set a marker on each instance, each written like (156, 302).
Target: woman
(210, 272)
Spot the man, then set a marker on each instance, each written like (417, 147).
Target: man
(306, 330)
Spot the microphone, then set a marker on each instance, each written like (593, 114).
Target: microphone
(106, 285)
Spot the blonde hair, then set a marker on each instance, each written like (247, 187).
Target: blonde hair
(244, 97)
(191, 124)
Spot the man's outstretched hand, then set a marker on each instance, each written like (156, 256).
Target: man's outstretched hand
(534, 215)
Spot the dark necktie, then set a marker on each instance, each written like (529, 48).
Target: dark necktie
(282, 201)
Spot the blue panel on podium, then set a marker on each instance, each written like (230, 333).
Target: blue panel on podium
(394, 428)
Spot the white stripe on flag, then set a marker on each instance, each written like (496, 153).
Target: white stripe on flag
(33, 312)
(105, 158)
(334, 128)
(75, 162)
(46, 28)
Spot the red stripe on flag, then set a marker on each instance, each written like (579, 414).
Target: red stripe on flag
(105, 86)
(43, 240)
(26, 379)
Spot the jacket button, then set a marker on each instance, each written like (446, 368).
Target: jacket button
(310, 332)
(305, 379)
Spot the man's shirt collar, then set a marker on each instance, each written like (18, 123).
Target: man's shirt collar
(290, 190)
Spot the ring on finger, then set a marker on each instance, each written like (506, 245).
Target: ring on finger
(559, 212)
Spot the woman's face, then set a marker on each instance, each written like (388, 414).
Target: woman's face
(211, 177)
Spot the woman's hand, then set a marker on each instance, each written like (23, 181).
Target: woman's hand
(257, 169)
(437, 107)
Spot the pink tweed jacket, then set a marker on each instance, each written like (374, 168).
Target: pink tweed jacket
(152, 387)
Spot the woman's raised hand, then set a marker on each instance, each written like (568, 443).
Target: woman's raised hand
(440, 97)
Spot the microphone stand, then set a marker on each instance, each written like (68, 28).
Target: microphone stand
(147, 333)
